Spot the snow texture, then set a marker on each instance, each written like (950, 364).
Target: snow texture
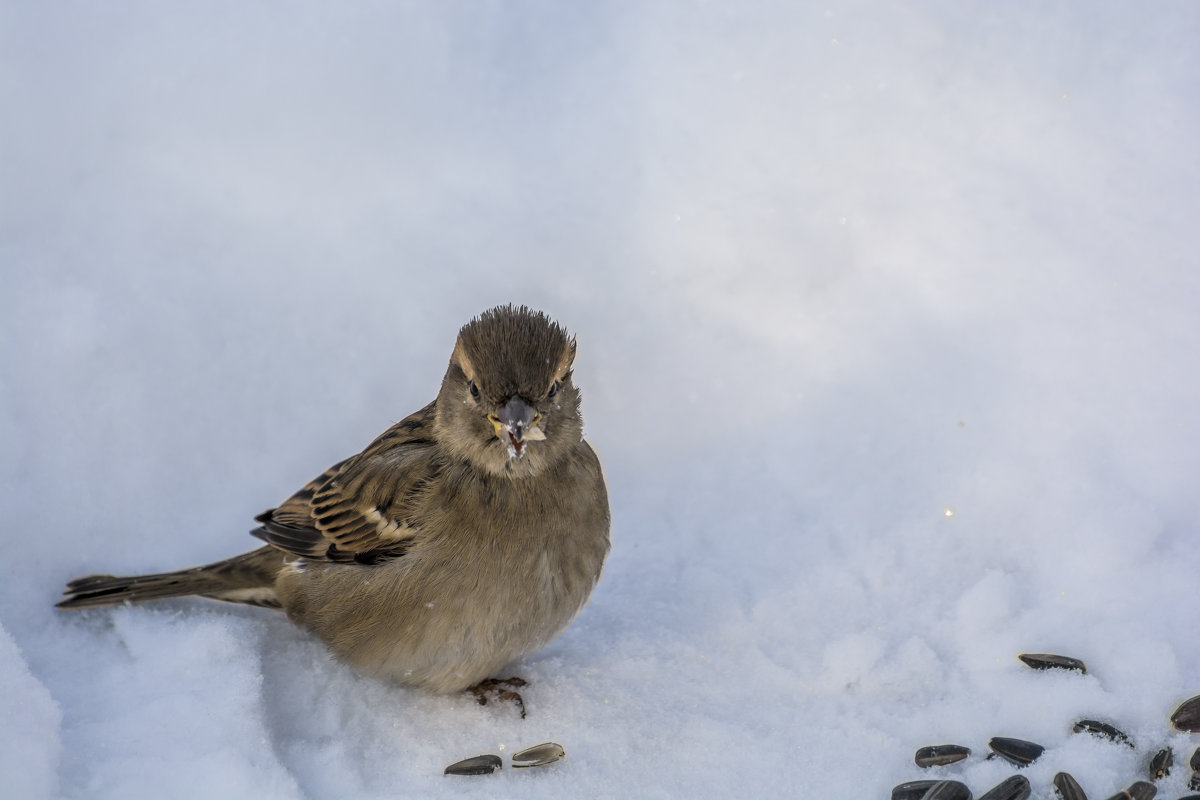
(889, 327)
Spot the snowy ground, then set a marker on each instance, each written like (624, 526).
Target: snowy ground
(835, 269)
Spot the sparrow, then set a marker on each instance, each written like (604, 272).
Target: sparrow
(469, 534)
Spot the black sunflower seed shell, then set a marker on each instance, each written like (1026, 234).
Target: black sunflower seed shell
(1103, 729)
(1142, 790)
(476, 765)
(947, 790)
(912, 790)
(937, 755)
(1016, 751)
(1067, 788)
(1051, 661)
(1161, 763)
(1015, 788)
(539, 755)
(1138, 791)
(1187, 716)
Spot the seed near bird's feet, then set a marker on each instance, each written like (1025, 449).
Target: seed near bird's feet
(497, 686)
(539, 755)
(477, 765)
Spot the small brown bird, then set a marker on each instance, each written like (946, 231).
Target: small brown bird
(466, 536)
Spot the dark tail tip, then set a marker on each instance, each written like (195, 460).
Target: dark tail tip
(93, 591)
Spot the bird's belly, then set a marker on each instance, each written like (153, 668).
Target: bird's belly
(443, 635)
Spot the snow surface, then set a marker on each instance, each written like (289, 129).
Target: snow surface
(889, 325)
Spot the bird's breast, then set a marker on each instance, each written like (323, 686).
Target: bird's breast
(498, 569)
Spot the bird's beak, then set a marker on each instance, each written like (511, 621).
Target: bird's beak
(516, 423)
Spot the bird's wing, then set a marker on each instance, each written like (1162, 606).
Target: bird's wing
(360, 510)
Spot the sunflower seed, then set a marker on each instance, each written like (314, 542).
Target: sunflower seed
(947, 790)
(1016, 751)
(1142, 790)
(1067, 788)
(539, 755)
(1014, 788)
(913, 790)
(1187, 716)
(1161, 763)
(1138, 791)
(478, 765)
(1050, 661)
(938, 755)
(1098, 728)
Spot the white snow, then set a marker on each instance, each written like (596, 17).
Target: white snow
(889, 326)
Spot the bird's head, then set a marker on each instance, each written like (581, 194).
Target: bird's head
(508, 404)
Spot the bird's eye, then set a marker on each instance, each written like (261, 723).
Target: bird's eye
(553, 389)
(474, 390)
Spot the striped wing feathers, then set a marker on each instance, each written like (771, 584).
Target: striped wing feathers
(360, 509)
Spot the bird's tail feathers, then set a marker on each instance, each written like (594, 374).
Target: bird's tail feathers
(248, 578)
